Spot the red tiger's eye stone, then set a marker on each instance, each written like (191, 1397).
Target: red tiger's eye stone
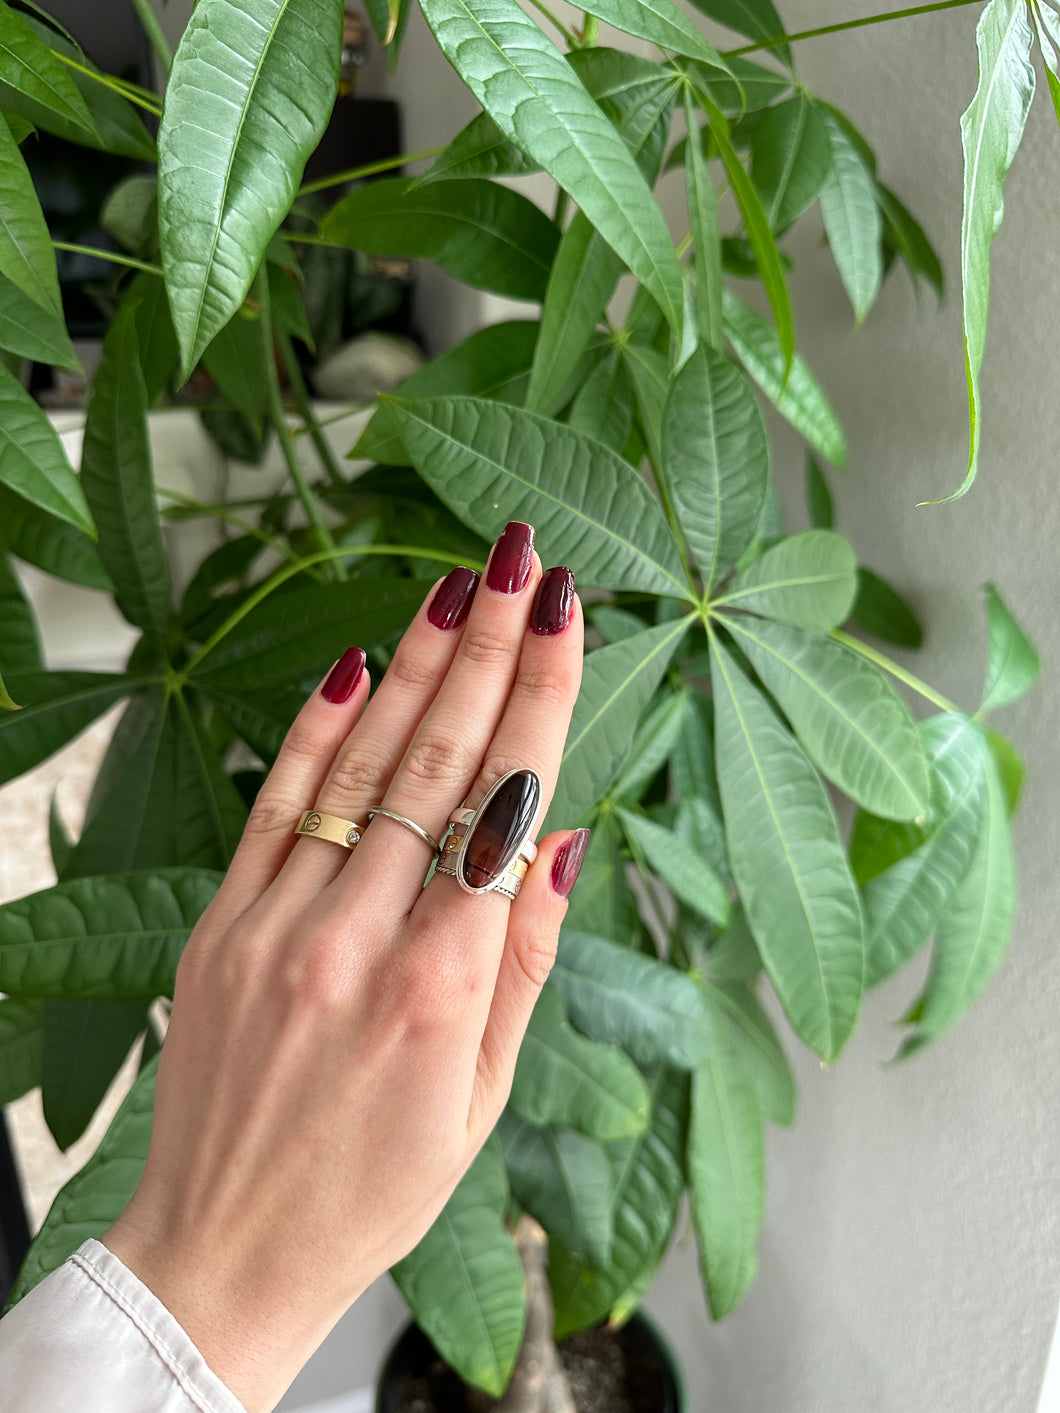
(493, 841)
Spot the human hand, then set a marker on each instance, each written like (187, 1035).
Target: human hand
(342, 1039)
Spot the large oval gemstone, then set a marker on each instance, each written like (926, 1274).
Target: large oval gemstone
(505, 818)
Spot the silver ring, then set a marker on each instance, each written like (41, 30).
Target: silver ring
(409, 824)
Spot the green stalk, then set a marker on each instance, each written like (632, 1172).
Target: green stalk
(354, 174)
(111, 255)
(223, 513)
(590, 30)
(153, 30)
(301, 401)
(881, 660)
(782, 39)
(127, 91)
(568, 35)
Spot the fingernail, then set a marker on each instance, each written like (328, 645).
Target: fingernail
(553, 602)
(512, 557)
(452, 600)
(567, 863)
(343, 677)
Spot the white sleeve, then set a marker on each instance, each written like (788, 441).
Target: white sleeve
(91, 1338)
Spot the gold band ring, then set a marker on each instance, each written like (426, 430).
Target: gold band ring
(315, 824)
(408, 823)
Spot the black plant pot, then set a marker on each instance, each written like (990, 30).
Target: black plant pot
(653, 1376)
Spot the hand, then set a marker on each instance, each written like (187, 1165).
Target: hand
(342, 1039)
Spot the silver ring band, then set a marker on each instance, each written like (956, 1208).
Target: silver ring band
(409, 824)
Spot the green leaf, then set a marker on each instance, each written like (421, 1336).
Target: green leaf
(563, 1179)
(603, 408)
(56, 706)
(481, 232)
(808, 580)
(907, 238)
(1010, 767)
(852, 219)
(155, 334)
(662, 23)
(648, 1175)
(653, 741)
(1047, 23)
(117, 938)
(236, 362)
(491, 463)
(788, 863)
(818, 497)
(726, 1177)
(706, 237)
(757, 19)
(991, 129)
(464, 1282)
(879, 609)
(603, 899)
(799, 397)
(791, 159)
(28, 331)
(733, 955)
(905, 901)
(648, 1008)
(751, 87)
(130, 215)
(852, 723)
(617, 683)
(286, 304)
(248, 98)
(94, 1198)
(651, 382)
(21, 1048)
(20, 649)
(27, 258)
(692, 762)
(1014, 664)
(563, 1079)
(31, 70)
(975, 929)
(116, 474)
(60, 845)
(85, 1044)
(33, 463)
(479, 150)
(748, 1033)
(523, 82)
(38, 538)
(716, 460)
(690, 878)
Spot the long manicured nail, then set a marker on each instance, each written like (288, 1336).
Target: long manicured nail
(452, 600)
(512, 558)
(343, 677)
(553, 602)
(567, 863)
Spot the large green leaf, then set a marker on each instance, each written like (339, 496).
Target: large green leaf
(716, 460)
(757, 19)
(155, 334)
(654, 1012)
(689, 877)
(791, 158)
(653, 742)
(603, 899)
(491, 463)
(603, 408)
(28, 331)
(94, 1197)
(32, 461)
(662, 23)
(464, 1282)
(20, 649)
(481, 232)
(648, 1176)
(563, 1079)
(56, 706)
(563, 1179)
(751, 87)
(904, 902)
(808, 580)
(248, 98)
(27, 259)
(1013, 666)
(52, 545)
(536, 99)
(31, 70)
(118, 937)
(617, 683)
(116, 474)
(478, 150)
(703, 221)
(84, 1043)
(236, 362)
(788, 863)
(852, 723)
(852, 218)
(749, 1033)
(975, 929)
(692, 761)
(21, 1048)
(879, 609)
(991, 129)
(798, 397)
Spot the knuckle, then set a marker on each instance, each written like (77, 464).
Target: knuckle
(273, 813)
(535, 952)
(355, 775)
(486, 648)
(313, 981)
(546, 686)
(436, 755)
(303, 743)
(411, 674)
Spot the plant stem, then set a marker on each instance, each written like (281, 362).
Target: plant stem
(222, 512)
(313, 240)
(153, 30)
(123, 90)
(781, 39)
(354, 174)
(288, 571)
(111, 255)
(301, 401)
(881, 660)
(590, 30)
(568, 35)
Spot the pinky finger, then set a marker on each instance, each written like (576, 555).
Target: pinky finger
(529, 952)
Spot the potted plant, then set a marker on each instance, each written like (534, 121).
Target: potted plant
(726, 681)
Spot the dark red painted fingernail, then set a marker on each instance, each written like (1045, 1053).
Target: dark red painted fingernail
(343, 677)
(567, 863)
(452, 601)
(553, 602)
(513, 555)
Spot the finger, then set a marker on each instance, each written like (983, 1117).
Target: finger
(364, 762)
(529, 953)
(299, 770)
(446, 751)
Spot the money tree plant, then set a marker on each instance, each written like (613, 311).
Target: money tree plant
(729, 687)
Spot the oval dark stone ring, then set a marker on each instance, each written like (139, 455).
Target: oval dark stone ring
(490, 847)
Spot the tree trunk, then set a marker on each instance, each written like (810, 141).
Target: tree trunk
(539, 1384)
